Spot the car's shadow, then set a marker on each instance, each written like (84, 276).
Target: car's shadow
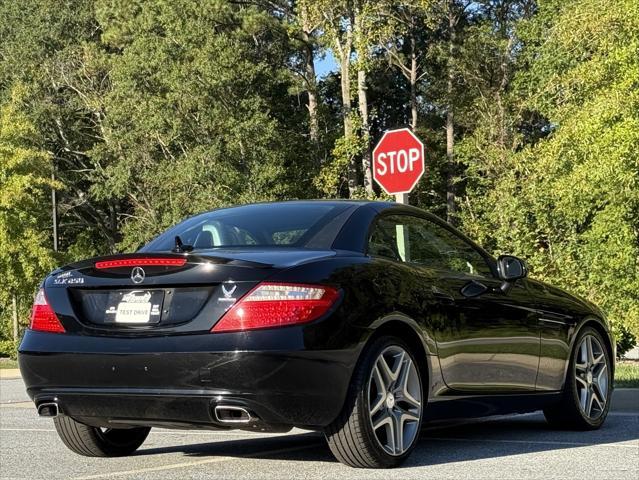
(440, 443)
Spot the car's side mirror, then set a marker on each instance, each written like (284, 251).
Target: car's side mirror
(510, 268)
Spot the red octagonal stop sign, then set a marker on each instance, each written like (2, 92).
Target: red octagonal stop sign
(398, 161)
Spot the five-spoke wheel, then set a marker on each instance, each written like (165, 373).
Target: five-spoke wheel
(585, 399)
(380, 423)
(395, 400)
(591, 377)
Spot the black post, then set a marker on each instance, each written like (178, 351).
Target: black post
(54, 214)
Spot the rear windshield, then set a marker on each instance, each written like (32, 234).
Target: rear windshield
(262, 225)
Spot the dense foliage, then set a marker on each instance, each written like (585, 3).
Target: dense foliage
(147, 111)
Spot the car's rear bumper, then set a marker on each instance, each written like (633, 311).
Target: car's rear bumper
(177, 381)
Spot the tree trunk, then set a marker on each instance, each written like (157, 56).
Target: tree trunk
(310, 77)
(503, 86)
(451, 207)
(14, 302)
(346, 96)
(413, 83)
(345, 63)
(312, 106)
(362, 97)
(363, 111)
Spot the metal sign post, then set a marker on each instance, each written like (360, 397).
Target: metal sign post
(403, 245)
(401, 198)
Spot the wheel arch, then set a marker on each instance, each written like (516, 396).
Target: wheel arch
(409, 331)
(597, 324)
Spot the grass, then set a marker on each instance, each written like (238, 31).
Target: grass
(627, 374)
(8, 363)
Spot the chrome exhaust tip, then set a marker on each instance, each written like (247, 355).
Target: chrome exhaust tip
(232, 414)
(49, 409)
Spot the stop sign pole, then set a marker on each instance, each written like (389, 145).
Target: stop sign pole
(401, 198)
(398, 163)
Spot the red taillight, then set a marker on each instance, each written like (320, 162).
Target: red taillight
(141, 262)
(277, 305)
(43, 318)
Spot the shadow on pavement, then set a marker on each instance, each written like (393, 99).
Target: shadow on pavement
(514, 436)
(299, 446)
(439, 443)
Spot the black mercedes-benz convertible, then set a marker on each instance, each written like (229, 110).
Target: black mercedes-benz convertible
(359, 319)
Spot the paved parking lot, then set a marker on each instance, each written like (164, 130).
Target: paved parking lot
(516, 447)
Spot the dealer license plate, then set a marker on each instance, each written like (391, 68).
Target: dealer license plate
(136, 307)
(133, 312)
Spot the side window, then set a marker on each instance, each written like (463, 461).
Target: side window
(383, 240)
(419, 241)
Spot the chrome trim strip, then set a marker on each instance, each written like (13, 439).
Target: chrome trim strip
(551, 321)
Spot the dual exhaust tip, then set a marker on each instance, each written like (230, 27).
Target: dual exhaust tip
(232, 414)
(48, 409)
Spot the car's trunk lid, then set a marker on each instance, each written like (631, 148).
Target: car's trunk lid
(142, 294)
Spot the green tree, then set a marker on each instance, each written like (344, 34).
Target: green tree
(54, 48)
(569, 201)
(337, 21)
(25, 234)
(216, 68)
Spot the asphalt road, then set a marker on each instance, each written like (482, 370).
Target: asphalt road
(516, 447)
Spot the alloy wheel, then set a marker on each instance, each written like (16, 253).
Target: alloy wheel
(395, 400)
(591, 377)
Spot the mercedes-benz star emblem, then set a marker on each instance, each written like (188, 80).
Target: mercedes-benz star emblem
(137, 275)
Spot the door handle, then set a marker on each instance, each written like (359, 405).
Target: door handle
(474, 289)
(442, 296)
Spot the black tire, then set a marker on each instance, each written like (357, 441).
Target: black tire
(567, 413)
(95, 442)
(351, 437)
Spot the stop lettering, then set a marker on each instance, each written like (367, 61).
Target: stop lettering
(398, 161)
